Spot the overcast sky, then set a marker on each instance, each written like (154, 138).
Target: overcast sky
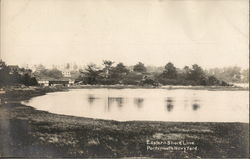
(211, 33)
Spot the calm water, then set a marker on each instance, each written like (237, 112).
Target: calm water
(148, 104)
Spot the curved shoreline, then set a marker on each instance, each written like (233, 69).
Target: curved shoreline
(212, 88)
(35, 133)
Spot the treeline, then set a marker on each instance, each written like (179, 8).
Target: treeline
(42, 72)
(139, 75)
(13, 75)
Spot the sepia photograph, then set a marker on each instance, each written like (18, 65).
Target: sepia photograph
(124, 79)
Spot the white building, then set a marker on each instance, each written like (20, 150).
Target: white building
(66, 73)
(43, 82)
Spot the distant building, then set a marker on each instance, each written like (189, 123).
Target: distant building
(56, 82)
(66, 73)
(43, 82)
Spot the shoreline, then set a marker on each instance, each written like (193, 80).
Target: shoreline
(211, 88)
(28, 132)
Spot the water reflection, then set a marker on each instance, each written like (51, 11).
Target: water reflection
(91, 99)
(169, 104)
(145, 104)
(118, 100)
(138, 102)
(185, 103)
(195, 105)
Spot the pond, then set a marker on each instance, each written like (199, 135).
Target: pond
(184, 105)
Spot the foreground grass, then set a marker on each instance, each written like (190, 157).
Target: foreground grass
(25, 132)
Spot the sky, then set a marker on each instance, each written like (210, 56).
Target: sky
(211, 33)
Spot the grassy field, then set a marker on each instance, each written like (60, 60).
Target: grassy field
(25, 131)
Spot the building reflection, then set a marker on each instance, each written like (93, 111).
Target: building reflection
(138, 102)
(169, 104)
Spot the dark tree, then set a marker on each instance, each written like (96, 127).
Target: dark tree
(139, 68)
(170, 71)
(29, 81)
(133, 78)
(213, 81)
(91, 75)
(4, 74)
(16, 78)
(119, 71)
(187, 73)
(33, 81)
(107, 68)
(121, 68)
(197, 73)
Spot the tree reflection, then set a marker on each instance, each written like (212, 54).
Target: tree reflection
(110, 101)
(195, 105)
(138, 102)
(91, 99)
(169, 104)
(118, 100)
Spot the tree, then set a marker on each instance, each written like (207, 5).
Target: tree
(197, 73)
(16, 78)
(54, 73)
(119, 71)
(187, 72)
(170, 71)
(121, 68)
(29, 81)
(67, 66)
(40, 67)
(4, 74)
(139, 67)
(75, 67)
(132, 78)
(33, 81)
(91, 75)
(46, 73)
(148, 81)
(212, 80)
(245, 75)
(107, 67)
